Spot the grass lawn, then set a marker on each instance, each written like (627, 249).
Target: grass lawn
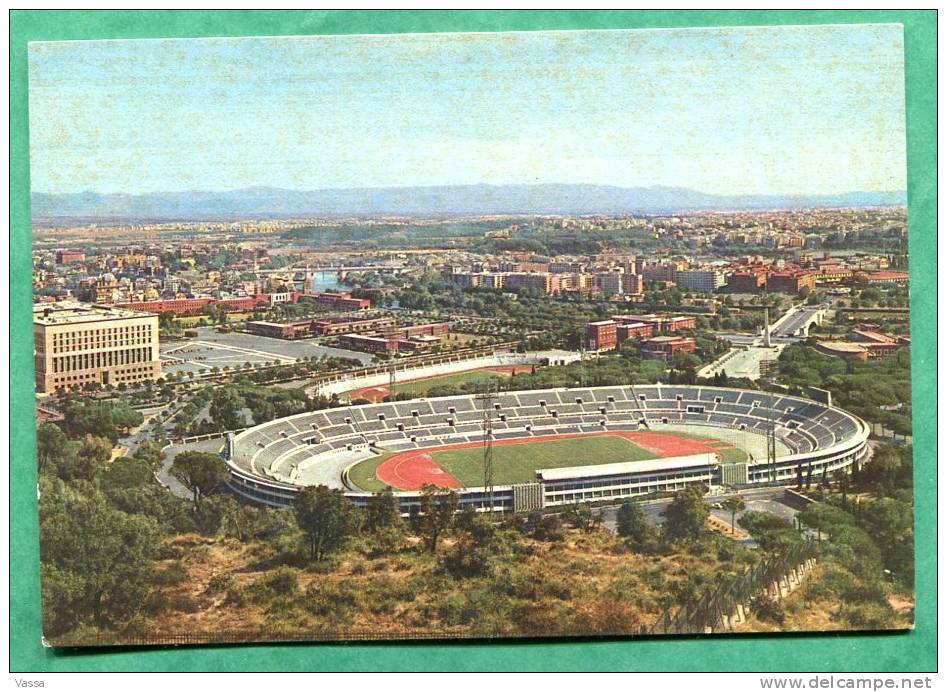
(362, 475)
(733, 455)
(517, 463)
(471, 378)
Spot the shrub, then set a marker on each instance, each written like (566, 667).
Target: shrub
(185, 603)
(280, 582)
(768, 610)
(157, 602)
(167, 551)
(172, 574)
(866, 616)
(220, 583)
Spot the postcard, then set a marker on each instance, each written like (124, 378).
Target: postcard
(472, 335)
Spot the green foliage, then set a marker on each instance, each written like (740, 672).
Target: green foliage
(219, 583)
(546, 527)
(170, 575)
(686, 514)
(96, 564)
(327, 518)
(94, 452)
(436, 514)
(56, 454)
(825, 518)
(773, 534)
(583, 517)
(632, 523)
(200, 472)
(383, 511)
(225, 407)
(84, 416)
(733, 505)
(479, 546)
(768, 609)
(125, 473)
(890, 469)
(150, 452)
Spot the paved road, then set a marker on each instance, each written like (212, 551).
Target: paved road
(797, 318)
(757, 500)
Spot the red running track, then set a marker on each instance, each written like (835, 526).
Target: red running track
(414, 469)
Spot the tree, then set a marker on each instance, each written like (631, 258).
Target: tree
(225, 408)
(437, 513)
(55, 454)
(125, 417)
(93, 453)
(773, 534)
(125, 473)
(477, 548)
(326, 517)
(201, 472)
(733, 505)
(545, 527)
(150, 452)
(685, 516)
(383, 511)
(96, 565)
(632, 523)
(584, 517)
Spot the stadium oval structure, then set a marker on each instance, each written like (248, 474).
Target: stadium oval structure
(270, 463)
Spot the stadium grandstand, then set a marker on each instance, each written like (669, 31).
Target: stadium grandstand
(550, 447)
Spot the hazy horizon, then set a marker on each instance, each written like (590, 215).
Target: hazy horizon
(210, 190)
(790, 111)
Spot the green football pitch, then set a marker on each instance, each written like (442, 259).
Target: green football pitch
(472, 378)
(517, 463)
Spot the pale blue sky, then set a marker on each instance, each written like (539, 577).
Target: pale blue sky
(764, 110)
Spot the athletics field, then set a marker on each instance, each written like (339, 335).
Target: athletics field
(516, 461)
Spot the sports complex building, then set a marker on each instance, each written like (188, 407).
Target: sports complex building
(547, 447)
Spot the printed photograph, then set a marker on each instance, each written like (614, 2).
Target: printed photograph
(472, 335)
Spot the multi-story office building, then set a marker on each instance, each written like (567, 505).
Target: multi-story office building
(634, 330)
(666, 347)
(602, 335)
(702, 281)
(747, 281)
(790, 281)
(544, 283)
(611, 284)
(69, 256)
(77, 344)
(633, 284)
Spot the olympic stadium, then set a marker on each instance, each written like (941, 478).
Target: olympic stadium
(547, 447)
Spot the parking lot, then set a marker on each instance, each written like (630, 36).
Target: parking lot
(213, 349)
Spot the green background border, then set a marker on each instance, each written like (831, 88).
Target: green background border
(904, 651)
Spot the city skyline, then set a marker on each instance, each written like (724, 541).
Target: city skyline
(712, 110)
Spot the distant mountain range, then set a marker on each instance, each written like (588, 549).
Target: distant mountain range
(449, 200)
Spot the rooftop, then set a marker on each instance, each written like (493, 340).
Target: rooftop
(666, 339)
(644, 466)
(75, 313)
(842, 346)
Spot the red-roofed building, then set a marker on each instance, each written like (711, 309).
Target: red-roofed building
(69, 256)
(792, 281)
(602, 335)
(882, 277)
(665, 347)
(746, 282)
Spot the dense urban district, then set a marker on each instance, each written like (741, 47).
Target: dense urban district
(165, 348)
